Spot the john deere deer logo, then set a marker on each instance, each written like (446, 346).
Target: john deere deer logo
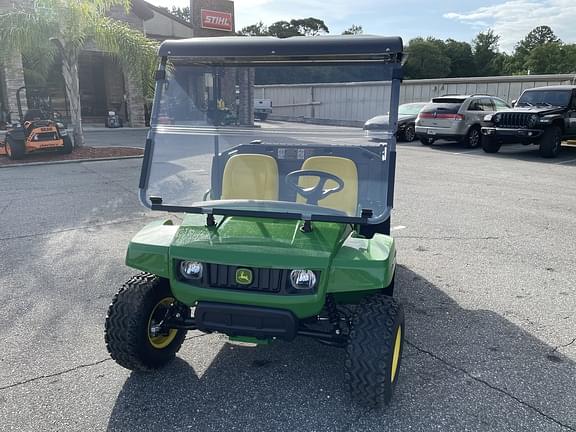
(243, 276)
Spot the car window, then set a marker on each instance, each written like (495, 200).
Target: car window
(500, 105)
(487, 104)
(476, 105)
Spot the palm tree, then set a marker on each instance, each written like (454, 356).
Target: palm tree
(62, 28)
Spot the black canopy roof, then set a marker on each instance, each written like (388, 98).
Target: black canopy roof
(299, 47)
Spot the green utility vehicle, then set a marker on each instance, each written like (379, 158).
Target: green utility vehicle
(285, 228)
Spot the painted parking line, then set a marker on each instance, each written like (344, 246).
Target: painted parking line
(398, 228)
(566, 162)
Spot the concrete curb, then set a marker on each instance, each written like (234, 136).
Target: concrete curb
(70, 161)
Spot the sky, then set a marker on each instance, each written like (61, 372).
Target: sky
(460, 20)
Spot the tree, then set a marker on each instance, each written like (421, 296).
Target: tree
(182, 13)
(62, 28)
(426, 58)
(461, 58)
(258, 29)
(283, 29)
(541, 39)
(309, 26)
(353, 30)
(486, 56)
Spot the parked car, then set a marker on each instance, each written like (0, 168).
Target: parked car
(407, 113)
(543, 116)
(456, 118)
(262, 108)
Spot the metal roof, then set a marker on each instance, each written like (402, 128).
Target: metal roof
(301, 47)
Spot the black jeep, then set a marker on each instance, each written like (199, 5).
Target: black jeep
(544, 116)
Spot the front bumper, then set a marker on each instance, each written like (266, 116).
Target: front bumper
(250, 321)
(508, 134)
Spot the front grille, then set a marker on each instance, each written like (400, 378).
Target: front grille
(264, 280)
(514, 120)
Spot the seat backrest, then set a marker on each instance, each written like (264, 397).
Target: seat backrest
(347, 199)
(250, 176)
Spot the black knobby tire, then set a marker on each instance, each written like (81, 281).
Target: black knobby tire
(371, 350)
(16, 149)
(473, 138)
(68, 146)
(426, 140)
(409, 133)
(551, 142)
(127, 333)
(490, 144)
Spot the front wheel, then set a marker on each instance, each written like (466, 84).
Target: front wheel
(374, 350)
(409, 133)
(551, 142)
(490, 144)
(135, 334)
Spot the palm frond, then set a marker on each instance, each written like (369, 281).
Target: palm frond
(26, 29)
(133, 50)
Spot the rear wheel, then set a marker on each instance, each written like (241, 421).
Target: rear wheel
(135, 335)
(68, 146)
(15, 149)
(473, 137)
(490, 144)
(374, 350)
(409, 133)
(424, 140)
(551, 142)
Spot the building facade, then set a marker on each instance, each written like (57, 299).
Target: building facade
(104, 86)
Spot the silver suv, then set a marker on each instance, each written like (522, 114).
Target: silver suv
(456, 118)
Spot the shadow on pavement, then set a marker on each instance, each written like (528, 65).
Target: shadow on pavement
(463, 369)
(512, 152)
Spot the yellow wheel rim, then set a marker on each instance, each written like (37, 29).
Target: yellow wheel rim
(160, 342)
(396, 355)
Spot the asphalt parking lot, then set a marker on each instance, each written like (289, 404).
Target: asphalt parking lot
(487, 271)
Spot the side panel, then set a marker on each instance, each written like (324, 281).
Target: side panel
(149, 250)
(363, 265)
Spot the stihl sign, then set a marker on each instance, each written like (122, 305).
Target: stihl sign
(216, 20)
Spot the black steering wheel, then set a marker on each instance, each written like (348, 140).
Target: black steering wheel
(318, 192)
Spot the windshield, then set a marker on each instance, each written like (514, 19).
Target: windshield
(303, 153)
(545, 97)
(411, 108)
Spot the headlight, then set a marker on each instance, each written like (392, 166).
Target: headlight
(488, 117)
(302, 279)
(191, 270)
(533, 120)
(497, 118)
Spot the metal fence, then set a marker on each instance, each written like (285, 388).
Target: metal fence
(354, 103)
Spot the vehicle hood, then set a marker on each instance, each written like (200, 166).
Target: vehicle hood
(535, 110)
(259, 242)
(381, 122)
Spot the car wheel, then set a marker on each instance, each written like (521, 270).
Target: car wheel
(15, 149)
(473, 137)
(426, 141)
(68, 146)
(409, 133)
(551, 142)
(374, 350)
(133, 333)
(490, 144)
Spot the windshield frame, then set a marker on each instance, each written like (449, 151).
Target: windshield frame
(521, 103)
(366, 216)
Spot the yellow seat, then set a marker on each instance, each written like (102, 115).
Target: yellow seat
(250, 176)
(345, 200)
